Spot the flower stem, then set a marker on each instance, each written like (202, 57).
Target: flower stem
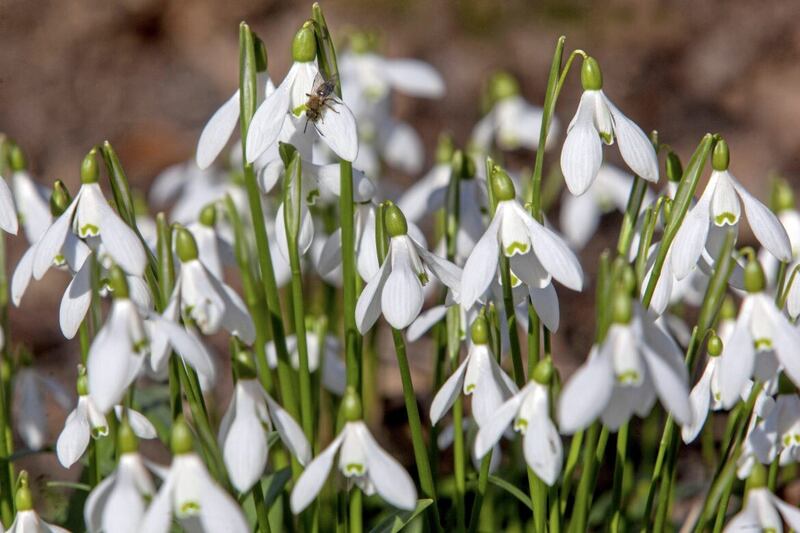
(511, 321)
(619, 475)
(356, 515)
(483, 482)
(262, 513)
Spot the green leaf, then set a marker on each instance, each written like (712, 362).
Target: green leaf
(511, 489)
(398, 520)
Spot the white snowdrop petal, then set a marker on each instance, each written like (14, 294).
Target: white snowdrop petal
(414, 77)
(542, 448)
(337, 127)
(586, 394)
(268, 119)
(76, 301)
(691, 237)
(124, 507)
(217, 131)
(555, 255)
(368, 307)
(244, 448)
(218, 510)
(582, 152)
(290, 432)
(49, 246)
(22, 275)
(790, 513)
(8, 213)
(489, 434)
(419, 199)
(330, 258)
(424, 322)
(74, 438)
(390, 479)
(670, 380)
(786, 339)
(96, 504)
(738, 357)
(313, 477)
(330, 179)
(236, 318)
(444, 270)
(402, 297)
(121, 242)
(139, 423)
(158, 516)
(635, 147)
(447, 394)
(481, 265)
(187, 345)
(700, 400)
(765, 225)
(579, 218)
(403, 148)
(545, 302)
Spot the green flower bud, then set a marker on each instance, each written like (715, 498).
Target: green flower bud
(543, 372)
(185, 245)
(502, 186)
(728, 310)
(23, 498)
(395, 221)
(714, 346)
(90, 172)
(754, 278)
(208, 215)
(621, 307)
(362, 42)
(480, 331)
(591, 75)
(82, 383)
(127, 441)
(118, 282)
(351, 405)
(758, 477)
(260, 49)
(502, 85)
(674, 167)
(781, 196)
(181, 438)
(244, 364)
(16, 158)
(444, 149)
(59, 199)
(304, 45)
(721, 156)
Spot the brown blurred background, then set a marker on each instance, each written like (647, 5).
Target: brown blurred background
(146, 75)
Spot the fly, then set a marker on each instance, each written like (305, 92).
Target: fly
(320, 98)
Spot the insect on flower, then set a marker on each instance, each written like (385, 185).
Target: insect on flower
(320, 98)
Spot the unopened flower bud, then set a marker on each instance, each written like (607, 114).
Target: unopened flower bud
(502, 85)
(244, 365)
(82, 383)
(591, 75)
(395, 221)
(351, 405)
(16, 158)
(59, 199)
(543, 372)
(480, 331)
(721, 157)
(127, 441)
(118, 282)
(90, 172)
(714, 346)
(444, 149)
(185, 245)
(502, 186)
(757, 478)
(23, 498)
(781, 196)
(260, 50)
(754, 278)
(621, 307)
(181, 437)
(208, 216)
(728, 310)
(304, 45)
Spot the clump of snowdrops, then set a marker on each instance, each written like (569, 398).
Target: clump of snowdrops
(290, 245)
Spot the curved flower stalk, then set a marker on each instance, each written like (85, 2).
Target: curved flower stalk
(87, 421)
(325, 352)
(30, 389)
(118, 503)
(27, 520)
(511, 122)
(762, 340)
(636, 362)
(30, 198)
(242, 433)
(580, 215)
(529, 409)
(598, 121)
(189, 494)
(90, 217)
(336, 124)
(361, 460)
(720, 206)
(763, 511)
(479, 376)
(536, 253)
(396, 290)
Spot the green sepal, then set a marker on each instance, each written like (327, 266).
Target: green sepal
(185, 245)
(674, 167)
(591, 75)
(23, 498)
(59, 199)
(543, 372)
(754, 278)
(721, 156)
(395, 220)
(304, 44)
(245, 366)
(479, 332)
(16, 158)
(351, 405)
(127, 441)
(208, 215)
(502, 185)
(714, 345)
(181, 438)
(90, 172)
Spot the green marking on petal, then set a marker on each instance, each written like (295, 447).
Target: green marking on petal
(423, 278)
(787, 440)
(762, 344)
(717, 396)
(725, 218)
(311, 197)
(89, 230)
(141, 346)
(797, 438)
(469, 388)
(628, 377)
(354, 469)
(607, 137)
(521, 425)
(59, 260)
(189, 508)
(516, 248)
(299, 110)
(101, 431)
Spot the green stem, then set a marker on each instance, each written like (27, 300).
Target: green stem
(459, 461)
(356, 515)
(511, 321)
(628, 229)
(347, 214)
(262, 513)
(619, 475)
(538, 492)
(483, 483)
(580, 508)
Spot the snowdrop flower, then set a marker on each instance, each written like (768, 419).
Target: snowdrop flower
(30, 197)
(763, 511)
(86, 421)
(119, 349)
(27, 520)
(782, 203)
(396, 290)
(636, 362)
(536, 254)
(191, 495)
(336, 124)
(199, 295)
(325, 352)
(529, 410)
(480, 376)
(511, 122)
(580, 215)
(30, 414)
(777, 435)
(117, 504)
(706, 394)
(220, 126)
(720, 206)
(209, 244)
(762, 339)
(598, 121)
(90, 216)
(242, 434)
(361, 460)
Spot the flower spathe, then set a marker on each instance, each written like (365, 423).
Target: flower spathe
(118, 503)
(529, 410)
(362, 460)
(243, 438)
